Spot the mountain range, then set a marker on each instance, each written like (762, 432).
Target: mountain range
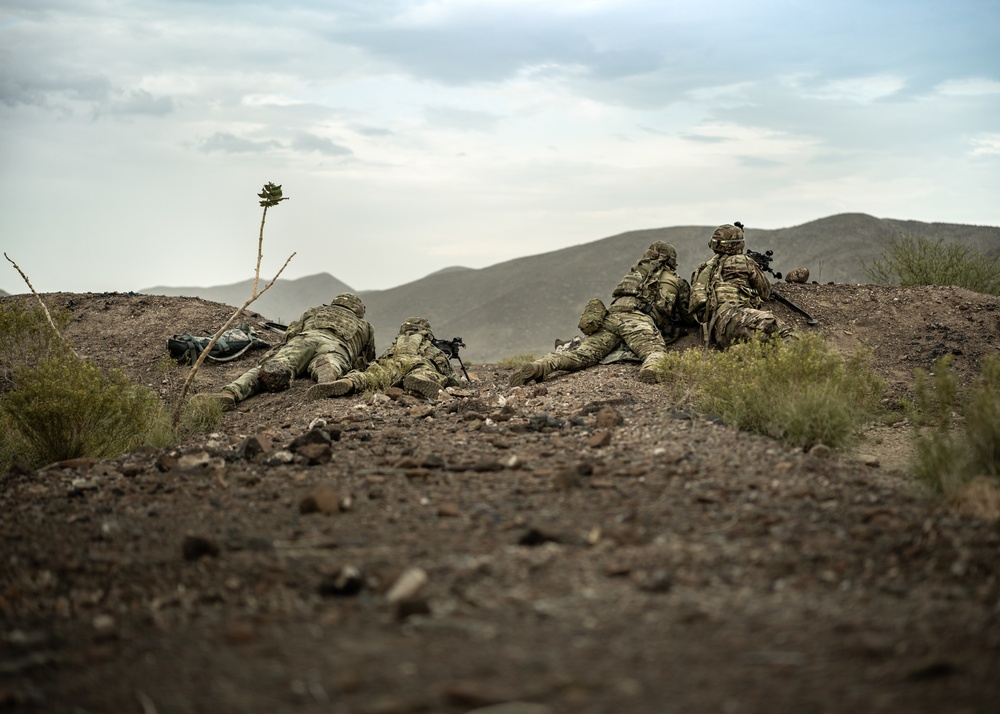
(521, 306)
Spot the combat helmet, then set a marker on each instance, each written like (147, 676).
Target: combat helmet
(728, 239)
(662, 252)
(415, 324)
(352, 302)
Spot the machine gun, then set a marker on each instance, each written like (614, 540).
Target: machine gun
(764, 261)
(450, 348)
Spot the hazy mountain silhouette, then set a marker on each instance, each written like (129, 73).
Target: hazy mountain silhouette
(522, 305)
(283, 302)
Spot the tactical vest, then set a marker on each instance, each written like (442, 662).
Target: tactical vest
(639, 280)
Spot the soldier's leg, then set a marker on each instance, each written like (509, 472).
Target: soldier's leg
(329, 360)
(740, 324)
(424, 379)
(592, 350)
(353, 381)
(245, 386)
(643, 337)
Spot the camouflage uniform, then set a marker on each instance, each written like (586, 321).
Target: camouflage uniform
(640, 321)
(326, 342)
(412, 361)
(728, 292)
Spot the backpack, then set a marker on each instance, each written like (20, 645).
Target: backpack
(637, 281)
(700, 286)
(232, 344)
(593, 316)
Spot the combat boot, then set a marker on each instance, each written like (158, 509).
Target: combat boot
(426, 387)
(531, 372)
(275, 376)
(649, 371)
(337, 388)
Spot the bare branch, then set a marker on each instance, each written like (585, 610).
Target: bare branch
(218, 334)
(42, 303)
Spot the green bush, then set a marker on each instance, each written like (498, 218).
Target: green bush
(65, 408)
(516, 360)
(26, 337)
(916, 260)
(55, 406)
(957, 434)
(798, 391)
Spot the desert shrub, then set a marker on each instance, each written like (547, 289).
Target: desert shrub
(957, 434)
(516, 360)
(64, 407)
(197, 416)
(26, 337)
(916, 260)
(799, 391)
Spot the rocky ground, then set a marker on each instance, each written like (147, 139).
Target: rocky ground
(575, 546)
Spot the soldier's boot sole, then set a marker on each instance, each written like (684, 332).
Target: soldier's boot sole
(425, 387)
(323, 390)
(527, 373)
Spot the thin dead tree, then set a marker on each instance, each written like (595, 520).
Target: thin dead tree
(42, 303)
(270, 196)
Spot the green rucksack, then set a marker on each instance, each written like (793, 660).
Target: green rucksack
(232, 344)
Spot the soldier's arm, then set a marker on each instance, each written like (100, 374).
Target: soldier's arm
(758, 281)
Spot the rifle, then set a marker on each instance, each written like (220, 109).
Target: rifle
(450, 348)
(764, 261)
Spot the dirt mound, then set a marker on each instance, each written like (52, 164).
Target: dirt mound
(573, 546)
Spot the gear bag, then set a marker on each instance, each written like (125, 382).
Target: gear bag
(593, 316)
(232, 344)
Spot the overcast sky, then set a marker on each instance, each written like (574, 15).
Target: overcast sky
(411, 136)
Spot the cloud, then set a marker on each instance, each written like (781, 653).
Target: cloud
(986, 145)
(304, 141)
(231, 144)
(139, 101)
(440, 117)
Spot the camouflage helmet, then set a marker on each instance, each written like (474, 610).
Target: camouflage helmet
(662, 252)
(352, 302)
(727, 239)
(415, 324)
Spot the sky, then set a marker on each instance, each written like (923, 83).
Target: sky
(412, 136)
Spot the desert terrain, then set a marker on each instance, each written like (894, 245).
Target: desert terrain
(581, 545)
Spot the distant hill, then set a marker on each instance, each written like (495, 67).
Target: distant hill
(283, 302)
(522, 305)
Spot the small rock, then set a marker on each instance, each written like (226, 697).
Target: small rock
(412, 606)
(449, 510)
(407, 585)
(347, 581)
(322, 499)
(869, 460)
(797, 275)
(607, 418)
(195, 547)
(820, 451)
(599, 439)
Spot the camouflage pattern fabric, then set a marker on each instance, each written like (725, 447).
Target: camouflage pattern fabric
(736, 291)
(325, 343)
(412, 354)
(628, 322)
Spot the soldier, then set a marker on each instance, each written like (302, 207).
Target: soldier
(649, 304)
(326, 342)
(728, 290)
(412, 361)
